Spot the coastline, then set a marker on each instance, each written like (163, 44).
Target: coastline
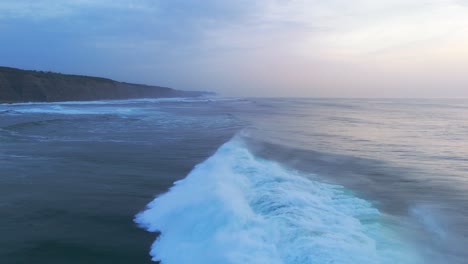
(22, 86)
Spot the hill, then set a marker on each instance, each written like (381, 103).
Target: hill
(37, 86)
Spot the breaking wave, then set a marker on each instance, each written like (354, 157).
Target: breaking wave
(238, 208)
(120, 107)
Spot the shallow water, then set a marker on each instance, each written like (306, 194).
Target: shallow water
(277, 181)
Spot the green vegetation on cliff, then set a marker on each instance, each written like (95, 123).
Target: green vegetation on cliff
(36, 86)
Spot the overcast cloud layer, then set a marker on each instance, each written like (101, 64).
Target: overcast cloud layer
(338, 48)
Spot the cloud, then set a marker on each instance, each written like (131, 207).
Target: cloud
(241, 46)
(46, 9)
(341, 28)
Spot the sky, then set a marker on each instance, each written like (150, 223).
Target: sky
(287, 48)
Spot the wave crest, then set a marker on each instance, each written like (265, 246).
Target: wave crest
(238, 208)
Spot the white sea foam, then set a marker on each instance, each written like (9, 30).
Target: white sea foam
(238, 208)
(70, 110)
(125, 107)
(202, 99)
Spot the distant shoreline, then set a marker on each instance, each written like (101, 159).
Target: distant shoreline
(22, 86)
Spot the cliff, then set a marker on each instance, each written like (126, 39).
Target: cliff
(36, 86)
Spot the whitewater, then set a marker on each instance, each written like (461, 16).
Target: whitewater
(237, 208)
(234, 180)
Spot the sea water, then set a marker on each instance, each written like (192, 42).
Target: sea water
(235, 180)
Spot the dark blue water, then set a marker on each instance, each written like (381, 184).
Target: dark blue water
(257, 181)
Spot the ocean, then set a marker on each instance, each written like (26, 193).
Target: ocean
(234, 180)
